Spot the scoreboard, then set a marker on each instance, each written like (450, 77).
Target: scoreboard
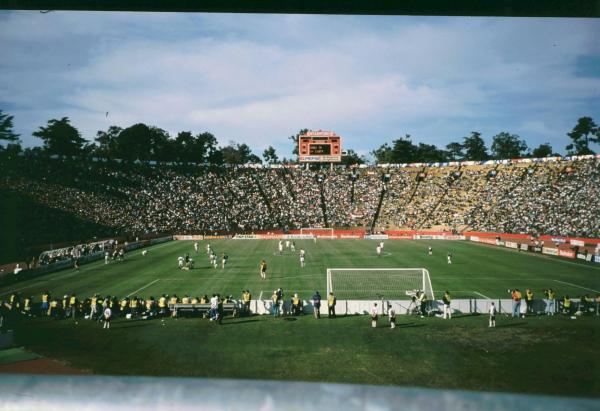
(319, 147)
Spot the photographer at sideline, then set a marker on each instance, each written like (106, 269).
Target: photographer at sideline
(516, 302)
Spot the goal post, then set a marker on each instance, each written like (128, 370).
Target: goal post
(318, 232)
(378, 283)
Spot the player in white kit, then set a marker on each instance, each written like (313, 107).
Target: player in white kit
(280, 246)
(378, 249)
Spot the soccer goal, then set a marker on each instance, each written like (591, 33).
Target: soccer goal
(318, 232)
(376, 283)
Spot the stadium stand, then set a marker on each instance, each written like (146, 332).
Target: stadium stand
(500, 196)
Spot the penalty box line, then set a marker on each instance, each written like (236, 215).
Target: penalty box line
(140, 289)
(578, 286)
(471, 291)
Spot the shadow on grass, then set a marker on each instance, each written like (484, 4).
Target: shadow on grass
(466, 315)
(409, 325)
(238, 322)
(133, 324)
(511, 325)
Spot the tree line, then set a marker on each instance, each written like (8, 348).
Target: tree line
(144, 143)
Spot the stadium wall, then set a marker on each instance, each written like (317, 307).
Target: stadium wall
(402, 307)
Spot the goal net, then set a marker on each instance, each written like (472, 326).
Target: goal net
(318, 232)
(378, 283)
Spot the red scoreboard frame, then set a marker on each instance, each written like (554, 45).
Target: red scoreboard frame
(319, 147)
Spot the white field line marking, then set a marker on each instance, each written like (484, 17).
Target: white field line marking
(140, 289)
(547, 257)
(14, 291)
(260, 296)
(66, 274)
(301, 276)
(154, 247)
(483, 295)
(578, 286)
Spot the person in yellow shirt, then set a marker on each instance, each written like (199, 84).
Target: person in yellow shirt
(124, 305)
(185, 299)
(296, 304)
(246, 298)
(263, 270)
(567, 305)
(172, 301)
(93, 306)
(331, 301)
(73, 305)
(27, 303)
(529, 300)
(45, 302)
(133, 306)
(149, 307)
(162, 305)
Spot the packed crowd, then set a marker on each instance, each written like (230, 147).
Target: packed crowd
(557, 198)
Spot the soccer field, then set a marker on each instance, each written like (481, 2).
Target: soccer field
(538, 354)
(477, 271)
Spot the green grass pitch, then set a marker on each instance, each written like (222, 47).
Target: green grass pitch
(553, 355)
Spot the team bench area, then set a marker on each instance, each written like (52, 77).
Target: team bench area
(228, 308)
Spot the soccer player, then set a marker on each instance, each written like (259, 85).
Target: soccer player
(107, 317)
(287, 244)
(381, 245)
(263, 269)
(121, 254)
(180, 262)
(293, 246)
(207, 248)
(449, 258)
(392, 316)
(144, 252)
(374, 315)
(430, 250)
(447, 299)
(378, 250)
(196, 247)
(302, 260)
(317, 304)
(224, 258)
(280, 246)
(106, 257)
(492, 315)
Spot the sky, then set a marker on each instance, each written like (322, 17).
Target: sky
(258, 79)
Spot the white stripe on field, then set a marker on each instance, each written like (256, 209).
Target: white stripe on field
(484, 296)
(260, 296)
(578, 286)
(140, 289)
